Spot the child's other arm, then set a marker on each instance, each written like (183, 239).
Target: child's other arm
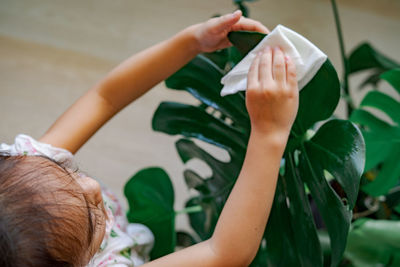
(137, 75)
(272, 102)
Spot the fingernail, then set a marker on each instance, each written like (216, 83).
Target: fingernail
(234, 14)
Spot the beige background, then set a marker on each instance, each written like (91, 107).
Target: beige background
(52, 51)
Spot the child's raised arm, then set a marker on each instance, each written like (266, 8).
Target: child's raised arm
(137, 75)
(272, 102)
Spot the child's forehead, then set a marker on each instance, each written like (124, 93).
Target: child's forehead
(48, 167)
(48, 178)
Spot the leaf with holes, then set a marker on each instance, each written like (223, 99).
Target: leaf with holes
(337, 148)
(201, 78)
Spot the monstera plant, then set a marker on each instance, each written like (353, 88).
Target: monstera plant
(319, 176)
(381, 136)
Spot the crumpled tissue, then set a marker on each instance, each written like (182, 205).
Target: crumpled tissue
(307, 58)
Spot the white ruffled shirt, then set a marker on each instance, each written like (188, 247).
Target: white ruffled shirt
(124, 244)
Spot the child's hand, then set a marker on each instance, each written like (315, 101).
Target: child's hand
(272, 93)
(212, 34)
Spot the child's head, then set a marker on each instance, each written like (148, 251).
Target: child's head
(48, 215)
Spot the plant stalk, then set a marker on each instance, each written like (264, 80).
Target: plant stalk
(192, 209)
(345, 61)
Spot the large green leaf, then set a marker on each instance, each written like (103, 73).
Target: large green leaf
(388, 176)
(214, 189)
(175, 118)
(222, 172)
(338, 148)
(324, 240)
(379, 137)
(150, 197)
(252, 40)
(322, 93)
(382, 139)
(383, 102)
(201, 78)
(301, 218)
(219, 58)
(374, 243)
(225, 59)
(369, 243)
(392, 77)
(345, 161)
(366, 57)
(281, 248)
(203, 222)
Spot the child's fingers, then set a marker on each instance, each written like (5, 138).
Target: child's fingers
(278, 67)
(246, 24)
(252, 76)
(226, 21)
(265, 69)
(291, 77)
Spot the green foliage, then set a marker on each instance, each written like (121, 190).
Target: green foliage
(253, 38)
(333, 152)
(339, 143)
(371, 242)
(374, 243)
(365, 57)
(393, 199)
(382, 138)
(393, 78)
(150, 197)
(242, 6)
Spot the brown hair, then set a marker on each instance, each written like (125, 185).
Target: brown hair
(40, 224)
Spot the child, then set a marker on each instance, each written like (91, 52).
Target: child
(51, 215)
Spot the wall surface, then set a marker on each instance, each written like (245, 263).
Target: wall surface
(51, 52)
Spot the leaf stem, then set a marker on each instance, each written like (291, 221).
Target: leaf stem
(345, 61)
(371, 210)
(192, 209)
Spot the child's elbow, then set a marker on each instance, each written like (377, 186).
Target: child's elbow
(226, 255)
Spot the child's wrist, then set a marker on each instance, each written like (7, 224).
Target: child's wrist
(276, 138)
(191, 35)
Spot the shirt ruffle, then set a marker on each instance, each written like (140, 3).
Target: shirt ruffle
(26, 145)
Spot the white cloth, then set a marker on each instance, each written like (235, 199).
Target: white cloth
(124, 244)
(305, 55)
